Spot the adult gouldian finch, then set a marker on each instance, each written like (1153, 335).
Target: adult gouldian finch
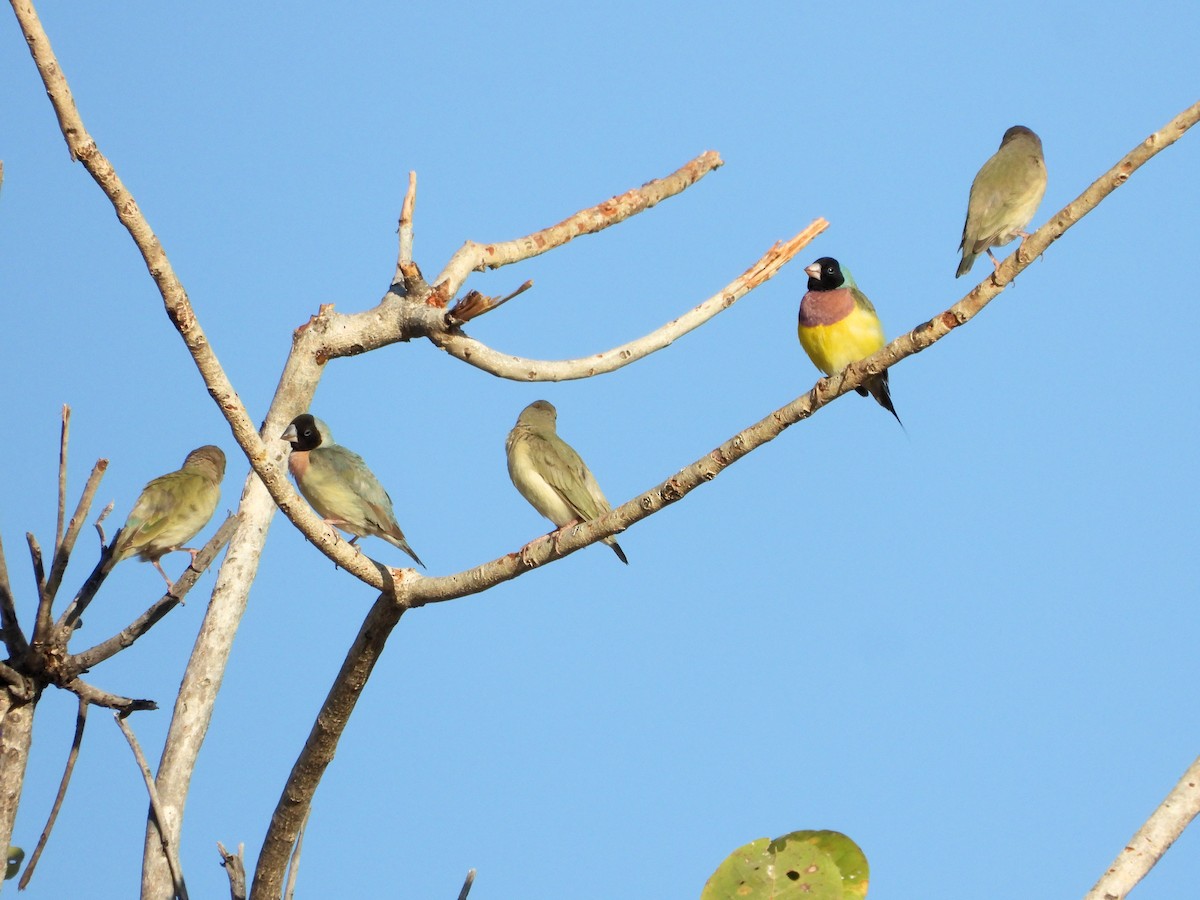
(339, 485)
(549, 473)
(838, 326)
(172, 509)
(1004, 196)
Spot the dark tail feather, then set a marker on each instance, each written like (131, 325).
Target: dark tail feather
(617, 550)
(964, 267)
(409, 550)
(403, 545)
(883, 396)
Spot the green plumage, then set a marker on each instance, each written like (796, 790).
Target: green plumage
(340, 487)
(1004, 196)
(172, 509)
(548, 472)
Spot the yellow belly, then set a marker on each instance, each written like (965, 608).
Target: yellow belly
(833, 347)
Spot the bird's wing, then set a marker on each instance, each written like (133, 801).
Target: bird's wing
(566, 473)
(352, 473)
(861, 301)
(149, 513)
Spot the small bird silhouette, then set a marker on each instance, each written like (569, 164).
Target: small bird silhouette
(172, 509)
(1004, 196)
(549, 473)
(339, 485)
(839, 326)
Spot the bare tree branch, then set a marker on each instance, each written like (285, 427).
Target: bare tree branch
(405, 229)
(311, 349)
(86, 659)
(483, 357)
(62, 492)
(296, 799)
(1152, 840)
(72, 756)
(97, 697)
(87, 591)
(265, 462)
(15, 680)
(41, 622)
(62, 553)
(235, 868)
(473, 256)
(168, 847)
(419, 591)
(330, 335)
(289, 886)
(467, 882)
(16, 734)
(434, 589)
(14, 638)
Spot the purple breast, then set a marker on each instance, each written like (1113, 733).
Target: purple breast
(825, 307)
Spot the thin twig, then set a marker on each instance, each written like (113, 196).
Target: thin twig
(41, 622)
(58, 566)
(167, 847)
(466, 888)
(474, 256)
(87, 590)
(62, 488)
(97, 697)
(14, 638)
(289, 886)
(406, 227)
(80, 721)
(1153, 839)
(235, 868)
(504, 365)
(86, 659)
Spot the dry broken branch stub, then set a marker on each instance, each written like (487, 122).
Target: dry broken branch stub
(475, 304)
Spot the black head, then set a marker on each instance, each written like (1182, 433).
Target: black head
(304, 433)
(825, 275)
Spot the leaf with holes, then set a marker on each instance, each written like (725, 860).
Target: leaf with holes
(846, 855)
(813, 865)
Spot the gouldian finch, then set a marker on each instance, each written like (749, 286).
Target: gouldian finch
(339, 485)
(1004, 196)
(172, 509)
(838, 326)
(550, 474)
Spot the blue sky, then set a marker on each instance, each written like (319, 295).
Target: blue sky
(965, 647)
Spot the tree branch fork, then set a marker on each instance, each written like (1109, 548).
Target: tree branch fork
(419, 310)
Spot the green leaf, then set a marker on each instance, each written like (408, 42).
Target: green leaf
(803, 865)
(846, 855)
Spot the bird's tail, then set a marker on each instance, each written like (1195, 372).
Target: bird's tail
(968, 260)
(882, 394)
(398, 540)
(617, 550)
